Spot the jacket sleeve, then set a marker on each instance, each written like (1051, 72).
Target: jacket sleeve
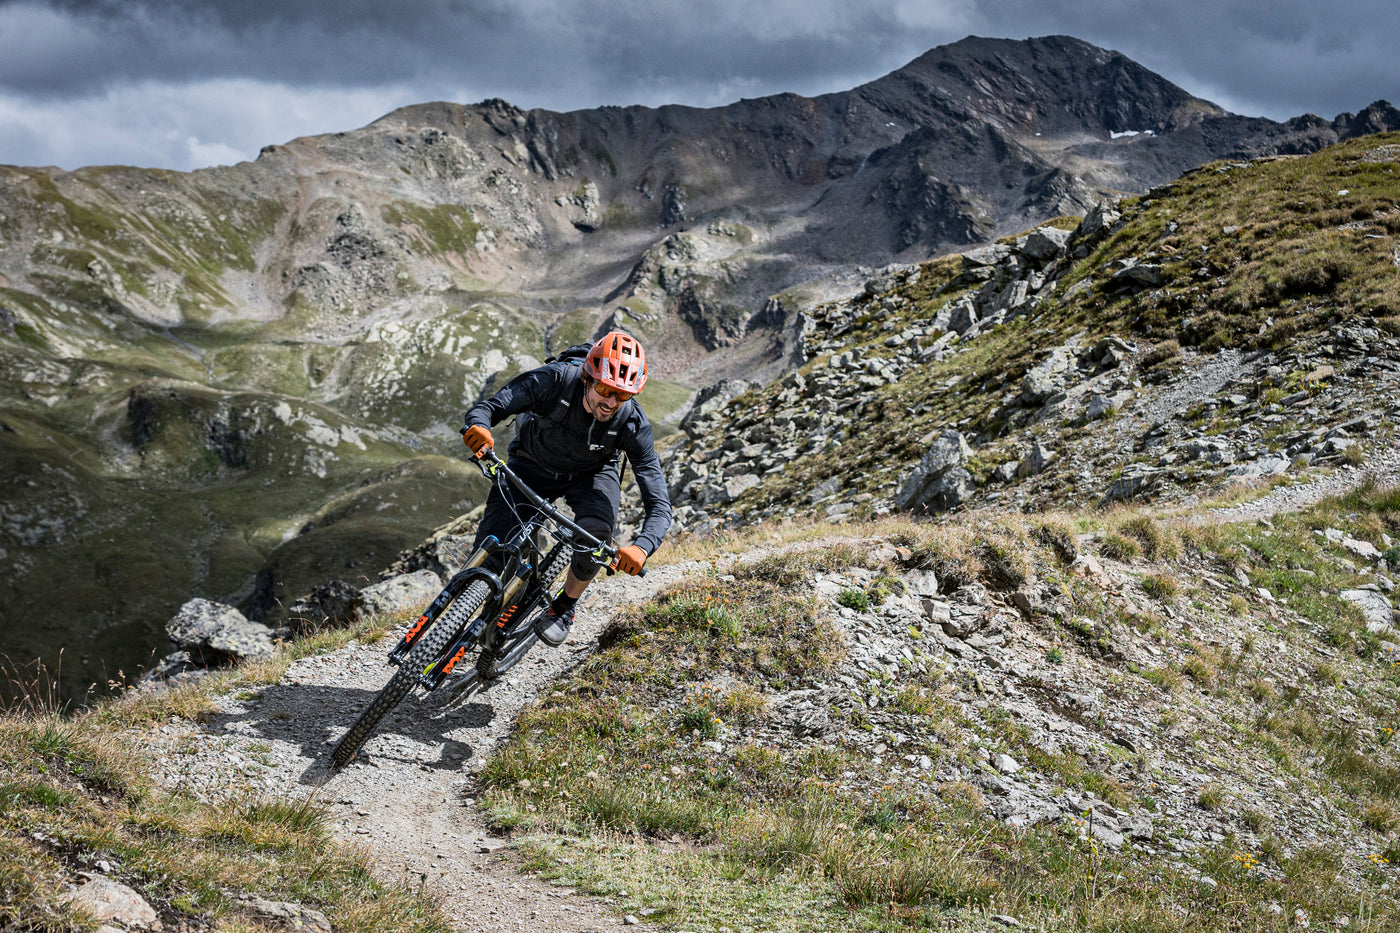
(523, 393)
(651, 483)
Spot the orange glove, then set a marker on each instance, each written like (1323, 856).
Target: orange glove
(630, 559)
(478, 439)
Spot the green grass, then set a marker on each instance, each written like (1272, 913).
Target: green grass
(645, 776)
(660, 400)
(794, 837)
(74, 791)
(853, 599)
(439, 228)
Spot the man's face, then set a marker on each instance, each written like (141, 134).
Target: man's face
(602, 402)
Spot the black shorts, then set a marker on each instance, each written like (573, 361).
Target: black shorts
(593, 498)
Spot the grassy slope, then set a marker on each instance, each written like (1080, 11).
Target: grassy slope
(78, 797)
(611, 782)
(1265, 255)
(108, 533)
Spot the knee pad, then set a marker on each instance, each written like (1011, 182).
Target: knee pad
(583, 567)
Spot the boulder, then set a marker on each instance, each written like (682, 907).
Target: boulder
(962, 315)
(1045, 244)
(407, 592)
(1380, 615)
(216, 634)
(1098, 222)
(1036, 461)
(111, 901)
(940, 482)
(1257, 469)
(729, 489)
(1098, 407)
(1139, 274)
(890, 277)
(331, 605)
(172, 670)
(1109, 352)
(712, 399)
(985, 256)
(1136, 480)
(1048, 378)
(290, 916)
(923, 583)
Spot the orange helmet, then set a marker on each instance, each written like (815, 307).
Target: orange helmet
(618, 361)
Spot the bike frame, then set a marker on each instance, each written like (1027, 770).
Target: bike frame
(462, 614)
(522, 559)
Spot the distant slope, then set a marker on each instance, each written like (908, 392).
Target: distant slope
(1240, 324)
(237, 381)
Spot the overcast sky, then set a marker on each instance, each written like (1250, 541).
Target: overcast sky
(190, 83)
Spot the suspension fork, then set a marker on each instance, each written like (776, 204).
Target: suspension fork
(519, 567)
(455, 586)
(505, 608)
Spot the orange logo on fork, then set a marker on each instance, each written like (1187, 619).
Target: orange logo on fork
(455, 658)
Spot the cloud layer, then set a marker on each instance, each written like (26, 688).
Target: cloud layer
(187, 83)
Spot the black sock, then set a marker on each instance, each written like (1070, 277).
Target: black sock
(563, 603)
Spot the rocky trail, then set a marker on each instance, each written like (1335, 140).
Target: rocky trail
(1382, 466)
(408, 797)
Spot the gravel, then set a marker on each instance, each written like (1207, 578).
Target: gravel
(407, 798)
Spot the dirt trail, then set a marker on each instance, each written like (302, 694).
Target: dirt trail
(1382, 466)
(407, 798)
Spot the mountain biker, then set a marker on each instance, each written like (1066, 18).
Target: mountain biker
(575, 418)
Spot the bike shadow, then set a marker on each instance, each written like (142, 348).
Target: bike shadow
(314, 717)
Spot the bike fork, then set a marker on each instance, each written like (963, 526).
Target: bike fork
(434, 675)
(449, 593)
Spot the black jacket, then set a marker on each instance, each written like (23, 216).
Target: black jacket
(556, 433)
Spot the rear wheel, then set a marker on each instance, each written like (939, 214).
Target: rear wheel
(430, 645)
(514, 645)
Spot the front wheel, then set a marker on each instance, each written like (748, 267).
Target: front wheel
(430, 645)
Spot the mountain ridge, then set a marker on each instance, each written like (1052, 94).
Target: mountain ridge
(336, 303)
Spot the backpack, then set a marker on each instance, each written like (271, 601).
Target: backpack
(575, 354)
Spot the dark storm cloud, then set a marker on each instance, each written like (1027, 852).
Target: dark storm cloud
(553, 54)
(200, 79)
(72, 45)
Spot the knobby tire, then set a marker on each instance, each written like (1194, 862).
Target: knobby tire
(431, 644)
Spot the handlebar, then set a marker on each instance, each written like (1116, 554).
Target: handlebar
(492, 466)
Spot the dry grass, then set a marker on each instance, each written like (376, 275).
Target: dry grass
(77, 790)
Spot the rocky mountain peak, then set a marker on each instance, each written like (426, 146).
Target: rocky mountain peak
(175, 345)
(1052, 85)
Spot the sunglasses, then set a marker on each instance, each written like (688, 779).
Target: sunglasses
(610, 392)
(606, 391)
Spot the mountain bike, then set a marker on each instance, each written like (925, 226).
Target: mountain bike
(480, 609)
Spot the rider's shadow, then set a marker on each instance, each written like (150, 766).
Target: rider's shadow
(315, 717)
